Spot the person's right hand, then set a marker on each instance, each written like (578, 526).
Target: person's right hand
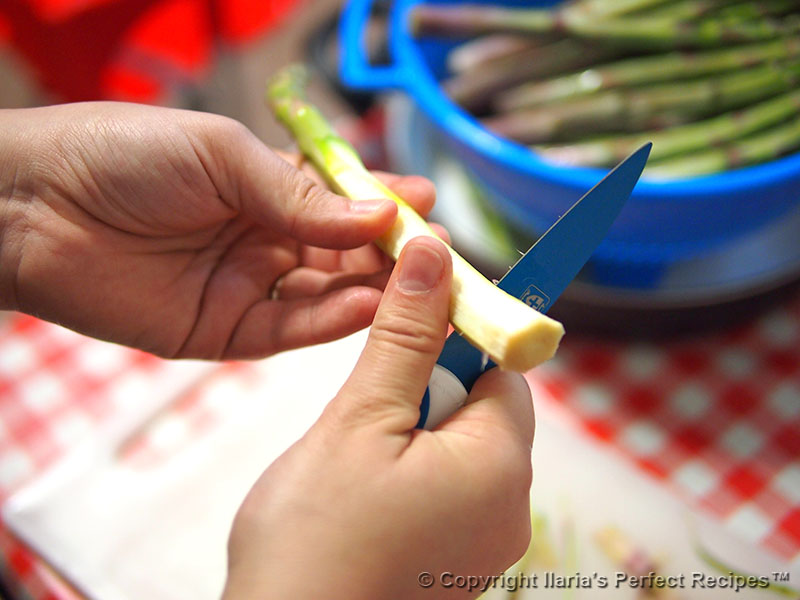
(364, 505)
(181, 233)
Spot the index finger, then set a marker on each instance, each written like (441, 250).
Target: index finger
(418, 191)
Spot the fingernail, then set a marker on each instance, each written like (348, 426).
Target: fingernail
(367, 206)
(420, 269)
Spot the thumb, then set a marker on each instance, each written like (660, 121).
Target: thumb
(405, 340)
(279, 195)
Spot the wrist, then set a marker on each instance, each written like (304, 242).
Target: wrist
(14, 201)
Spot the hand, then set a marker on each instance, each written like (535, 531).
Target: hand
(364, 503)
(181, 233)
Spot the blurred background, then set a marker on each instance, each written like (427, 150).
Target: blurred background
(669, 422)
(213, 56)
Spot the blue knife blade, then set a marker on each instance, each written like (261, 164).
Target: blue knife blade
(538, 278)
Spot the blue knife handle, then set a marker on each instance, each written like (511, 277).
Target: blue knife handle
(456, 371)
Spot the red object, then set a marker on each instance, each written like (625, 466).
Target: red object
(128, 49)
(244, 20)
(5, 29)
(791, 524)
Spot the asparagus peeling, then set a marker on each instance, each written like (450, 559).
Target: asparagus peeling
(512, 334)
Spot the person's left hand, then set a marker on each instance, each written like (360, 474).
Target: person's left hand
(180, 233)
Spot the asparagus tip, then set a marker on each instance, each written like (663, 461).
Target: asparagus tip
(287, 83)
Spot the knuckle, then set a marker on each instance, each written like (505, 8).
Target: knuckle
(209, 130)
(404, 332)
(305, 197)
(306, 193)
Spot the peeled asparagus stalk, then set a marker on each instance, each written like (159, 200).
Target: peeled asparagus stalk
(514, 335)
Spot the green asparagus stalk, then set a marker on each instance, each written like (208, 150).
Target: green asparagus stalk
(687, 10)
(761, 147)
(473, 19)
(475, 89)
(755, 10)
(653, 34)
(475, 53)
(652, 107)
(730, 126)
(642, 32)
(645, 70)
(514, 335)
(579, 117)
(725, 10)
(614, 8)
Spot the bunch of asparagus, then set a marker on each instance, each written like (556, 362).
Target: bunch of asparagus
(712, 83)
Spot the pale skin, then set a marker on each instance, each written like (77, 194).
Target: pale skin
(182, 234)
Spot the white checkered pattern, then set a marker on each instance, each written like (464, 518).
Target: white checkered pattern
(717, 417)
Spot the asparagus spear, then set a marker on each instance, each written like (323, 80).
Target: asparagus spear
(647, 69)
(514, 335)
(475, 19)
(640, 32)
(472, 19)
(654, 33)
(652, 107)
(475, 53)
(724, 10)
(606, 151)
(770, 144)
(475, 89)
(686, 10)
(611, 111)
(614, 8)
(754, 10)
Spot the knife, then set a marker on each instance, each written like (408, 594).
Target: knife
(537, 278)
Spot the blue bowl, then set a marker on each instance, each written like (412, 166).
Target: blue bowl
(663, 222)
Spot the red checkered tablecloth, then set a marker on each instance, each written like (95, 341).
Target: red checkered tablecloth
(56, 388)
(715, 419)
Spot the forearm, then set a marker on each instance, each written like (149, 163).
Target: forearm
(14, 202)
